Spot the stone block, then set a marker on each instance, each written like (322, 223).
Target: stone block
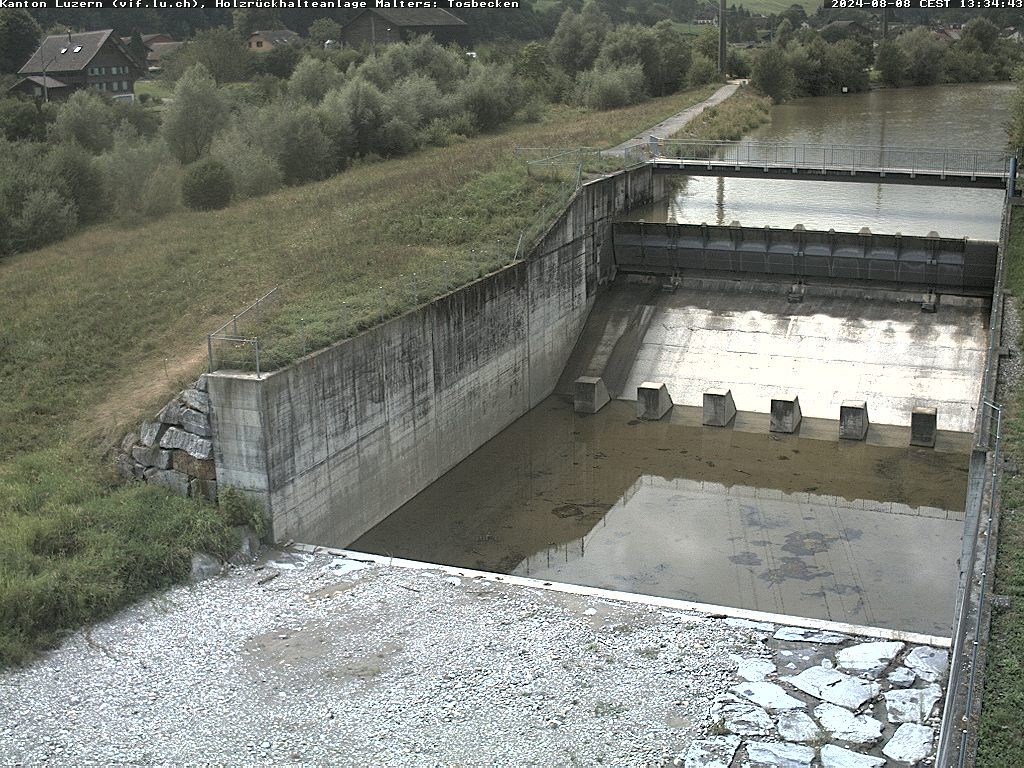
(152, 457)
(785, 414)
(200, 384)
(196, 422)
(853, 420)
(923, 423)
(590, 394)
(171, 413)
(128, 442)
(151, 432)
(189, 465)
(176, 482)
(195, 446)
(125, 466)
(652, 400)
(719, 408)
(199, 401)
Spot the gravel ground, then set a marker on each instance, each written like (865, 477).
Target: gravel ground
(323, 664)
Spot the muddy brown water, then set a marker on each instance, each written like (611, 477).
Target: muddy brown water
(806, 524)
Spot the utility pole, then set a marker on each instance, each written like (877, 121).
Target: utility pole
(721, 37)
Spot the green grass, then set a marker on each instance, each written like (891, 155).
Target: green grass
(730, 120)
(98, 331)
(1002, 714)
(157, 88)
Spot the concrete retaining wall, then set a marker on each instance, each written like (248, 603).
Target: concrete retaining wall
(338, 441)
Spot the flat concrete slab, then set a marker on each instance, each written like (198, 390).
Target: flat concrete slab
(826, 350)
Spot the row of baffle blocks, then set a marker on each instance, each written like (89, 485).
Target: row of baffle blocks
(653, 401)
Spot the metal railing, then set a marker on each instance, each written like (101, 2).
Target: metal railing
(837, 157)
(571, 163)
(236, 344)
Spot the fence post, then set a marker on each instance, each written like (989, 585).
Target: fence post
(415, 291)
(302, 330)
(209, 352)
(257, 358)
(234, 325)
(382, 303)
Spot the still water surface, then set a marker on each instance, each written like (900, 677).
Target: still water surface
(956, 116)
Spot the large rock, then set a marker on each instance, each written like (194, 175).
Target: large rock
(125, 466)
(151, 432)
(204, 469)
(930, 664)
(200, 384)
(767, 695)
(168, 478)
(196, 422)
(152, 457)
(716, 752)
(835, 687)
(843, 725)
(837, 757)
(755, 670)
(868, 657)
(901, 677)
(171, 413)
(741, 717)
(205, 567)
(195, 446)
(910, 744)
(761, 753)
(795, 725)
(128, 442)
(199, 401)
(913, 705)
(799, 634)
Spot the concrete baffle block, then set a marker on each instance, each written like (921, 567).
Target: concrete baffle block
(923, 425)
(785, 414)
(652, 400)
(853, 420)
(590, 394)
(719, 408)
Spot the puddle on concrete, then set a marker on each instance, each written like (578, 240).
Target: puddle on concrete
(856, 532)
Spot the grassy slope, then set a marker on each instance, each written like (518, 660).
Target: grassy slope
(97, 331)
(1002, 715)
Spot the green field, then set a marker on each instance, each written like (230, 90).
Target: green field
(96, 332)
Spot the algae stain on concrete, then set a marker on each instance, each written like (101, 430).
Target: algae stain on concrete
(853, 532)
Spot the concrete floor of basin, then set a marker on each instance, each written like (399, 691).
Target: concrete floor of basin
(861, 532)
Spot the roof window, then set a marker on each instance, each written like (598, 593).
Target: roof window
(77, 49)
(63, 50)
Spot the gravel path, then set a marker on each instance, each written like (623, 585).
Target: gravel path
(327, 664)
(672, 124)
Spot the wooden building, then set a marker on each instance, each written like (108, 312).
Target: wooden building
(379, 26)
(66, 63)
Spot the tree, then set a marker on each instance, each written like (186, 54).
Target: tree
(322, 30)
(633, 44)
(924, 55)
(294, 138)
(253, 171)
(982, 31)
(207, 186)
(891, 63)
(23, 120)
(87, 119)
(194, 117)
(1015, 127)
(577, 40)
(675, 57)
(772, 75)
(219, 49)
(364, 104)
(19, 37)
(81, 180)
(783, 32)
(312, 79)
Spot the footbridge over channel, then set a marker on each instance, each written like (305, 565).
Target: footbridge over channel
(946, 167)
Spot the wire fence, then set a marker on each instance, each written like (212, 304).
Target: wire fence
(571, 164)
(236, 344)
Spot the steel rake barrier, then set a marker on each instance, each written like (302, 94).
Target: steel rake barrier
(836, 157)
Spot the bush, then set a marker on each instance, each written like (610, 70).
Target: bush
(253, 171)
(610, 88)
(87, 120)
(127, 170)
(198, 112)
(207, 185)
(702, 71)
(46, 216)
(312, 79)
(82, 181)
(491, 95)
(295, 140)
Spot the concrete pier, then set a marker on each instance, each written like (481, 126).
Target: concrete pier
(853, 420)
(652, 400)
(923, 422)
(785, 414)
(590, 394)
(719, 408)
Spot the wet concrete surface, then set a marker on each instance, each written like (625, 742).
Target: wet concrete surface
(867, 533)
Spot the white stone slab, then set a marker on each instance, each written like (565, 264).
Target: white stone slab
(843, 725)
(837, 757)
(930, 664)
(767, 695)
(755, 670)
(868, 657)
(910, 744)
(799, 634)
(716, 752)
(778, 755)
(835, 687)
(759, 626)
(795, 725)
(913, 705)
(901, 677)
